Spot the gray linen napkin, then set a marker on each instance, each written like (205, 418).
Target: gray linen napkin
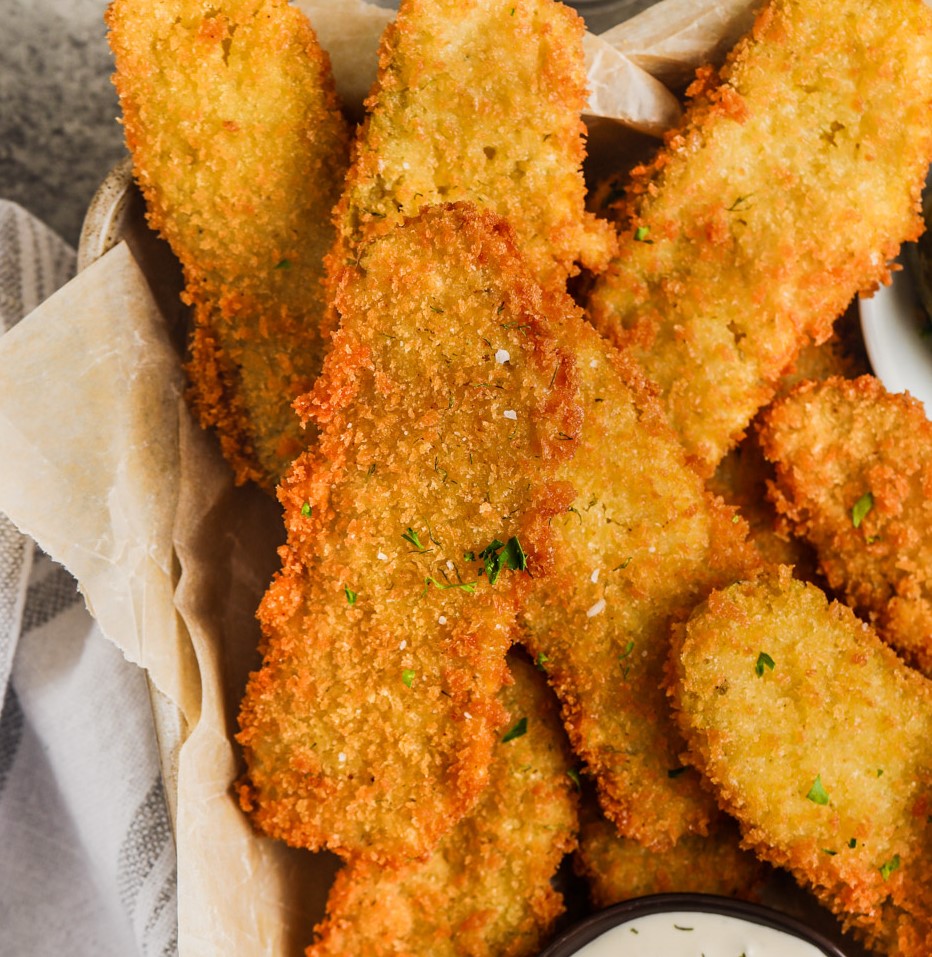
(87, 858)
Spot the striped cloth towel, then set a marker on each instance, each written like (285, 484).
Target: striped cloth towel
(87, 858)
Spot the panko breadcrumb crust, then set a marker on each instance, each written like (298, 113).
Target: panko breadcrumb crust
(487, 888)
(815, 736)
(845, 447)
(789, 188)
(370, 726)
(480, 100)
(240, 149)
(640, 543)
(617, 869)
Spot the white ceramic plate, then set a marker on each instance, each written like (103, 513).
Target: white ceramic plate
(892, 321)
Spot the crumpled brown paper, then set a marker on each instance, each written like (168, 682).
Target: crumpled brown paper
(105, 469)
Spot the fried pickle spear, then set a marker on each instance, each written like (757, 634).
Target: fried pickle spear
(617, 869)
(240, 150)
(486, 889)
(641, 543)
(816, 737)
(651, 510)
(789, 188)
(742, 477)
(413, 527)
(480, 101)
(854, 478)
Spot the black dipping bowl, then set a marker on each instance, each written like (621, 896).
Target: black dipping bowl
(573, 940)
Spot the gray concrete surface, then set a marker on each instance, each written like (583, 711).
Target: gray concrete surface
(58, 111)
(59, 133)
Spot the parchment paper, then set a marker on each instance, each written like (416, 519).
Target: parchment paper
(104, 468)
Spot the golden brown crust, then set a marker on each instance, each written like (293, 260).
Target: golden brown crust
(486, 889)
(743, 476)
(369, 728)
(240, 149)
(617, 869)
(479, 101)
(820, 752)
(641, 543)
(789, 188)
(842, 442)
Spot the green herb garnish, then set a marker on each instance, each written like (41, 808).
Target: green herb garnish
(541, 660)
(468, 587)
(498, 555)
(817, 793)
(763, 661)
(350, 594)
(641, 233)
(573, 775)
(407, 677)
(411, 536)
(887, 869)
(283, 264)
(516, 732)
(861, 507)
(306, 509)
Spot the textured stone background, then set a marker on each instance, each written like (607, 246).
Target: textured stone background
(58, 130)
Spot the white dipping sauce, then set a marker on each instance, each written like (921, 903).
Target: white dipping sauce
(696, 934)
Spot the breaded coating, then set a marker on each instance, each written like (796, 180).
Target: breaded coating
(816, 737)
(641, 543)
(240, 150)
(486, 889)
(742, 477)
(529, 112)
(617, 869)
(741, 481)
(413, 527)
(789, 188)
(854, 477)
(480, 100)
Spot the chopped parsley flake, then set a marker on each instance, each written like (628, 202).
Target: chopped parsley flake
(411, 536)
(763, 661)
(861, 507)
(306, 509)
(817, 793)
(498, 555)
(573, 775)
(350, 594)
(541, 660)
(283, 264)
(641, 233)
(468, 587)
(677, 927)
(517, 731)
(853, 842)
(407, 677)
(887, 869)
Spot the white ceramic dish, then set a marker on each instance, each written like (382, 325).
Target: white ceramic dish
(735, 926)
(892, 322)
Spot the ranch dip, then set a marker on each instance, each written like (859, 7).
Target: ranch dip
(696, 934)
